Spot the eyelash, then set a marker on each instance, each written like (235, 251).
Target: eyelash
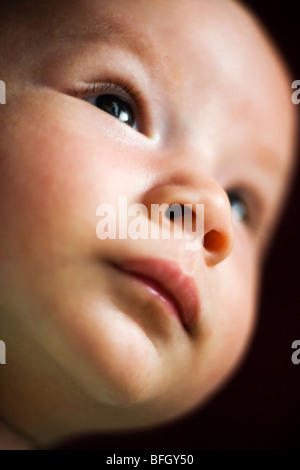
(122, 89)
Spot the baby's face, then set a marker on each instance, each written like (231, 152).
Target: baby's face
(197, 107)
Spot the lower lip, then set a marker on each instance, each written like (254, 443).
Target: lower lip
(155, 290)
(158, 292)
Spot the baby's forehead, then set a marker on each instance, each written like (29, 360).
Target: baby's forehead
(82, 18)
(87, 16)
(56, 22)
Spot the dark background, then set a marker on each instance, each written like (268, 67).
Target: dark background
(260, 407)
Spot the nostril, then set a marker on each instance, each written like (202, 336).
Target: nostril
(215, 241)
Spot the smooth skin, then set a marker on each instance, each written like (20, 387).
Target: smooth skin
(87, 348)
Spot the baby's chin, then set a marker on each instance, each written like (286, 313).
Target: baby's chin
(130, 384)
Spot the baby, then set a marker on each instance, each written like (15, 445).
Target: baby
(164, 102)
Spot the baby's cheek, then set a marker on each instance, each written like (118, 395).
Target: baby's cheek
(49, 189)
(232, 317)
(238, 299)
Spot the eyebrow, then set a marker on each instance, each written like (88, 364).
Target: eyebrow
(108, 29)
(111, 28)
(271, 164)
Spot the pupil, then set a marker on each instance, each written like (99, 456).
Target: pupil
(116, 107)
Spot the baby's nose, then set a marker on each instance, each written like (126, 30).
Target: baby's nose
(218, 228)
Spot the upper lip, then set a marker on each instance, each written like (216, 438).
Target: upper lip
(171, 279)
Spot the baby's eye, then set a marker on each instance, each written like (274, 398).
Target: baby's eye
(115, 106)
(122, 100)
(239, 206)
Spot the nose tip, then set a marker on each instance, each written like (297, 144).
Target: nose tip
(218, 229)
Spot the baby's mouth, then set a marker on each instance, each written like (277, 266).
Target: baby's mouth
(165, 280)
